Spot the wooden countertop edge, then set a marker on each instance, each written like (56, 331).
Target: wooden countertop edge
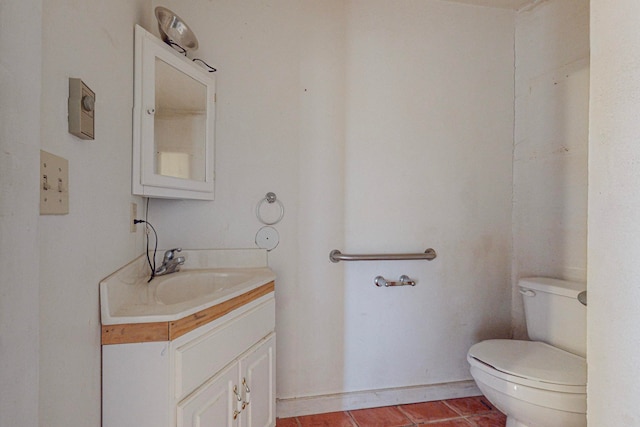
(167, 331)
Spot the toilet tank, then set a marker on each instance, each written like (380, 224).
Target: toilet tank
(553, 313)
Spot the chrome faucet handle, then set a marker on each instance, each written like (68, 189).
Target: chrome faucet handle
(168, 255)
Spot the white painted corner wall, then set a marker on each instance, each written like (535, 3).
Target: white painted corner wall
(20, 89)
(429, 131)
(613, 335)
(91, 40)
(550, 145)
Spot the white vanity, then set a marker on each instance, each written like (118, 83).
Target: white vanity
(193, 348)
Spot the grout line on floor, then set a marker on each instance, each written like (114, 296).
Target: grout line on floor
(452, 408)
(353, 420)
(413, 423)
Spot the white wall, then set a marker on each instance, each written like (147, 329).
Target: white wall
(428, 164)
(20, 68)
(551, 144)
(383, 127)
(614, 209)
(92, 40)
(279, 127)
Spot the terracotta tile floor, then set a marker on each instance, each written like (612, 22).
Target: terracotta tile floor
(464, 412)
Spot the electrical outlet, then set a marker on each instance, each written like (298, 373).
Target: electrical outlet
(54, 184)
(134, 214)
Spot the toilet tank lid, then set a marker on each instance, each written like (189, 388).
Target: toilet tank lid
(553, 286)
(532, 360)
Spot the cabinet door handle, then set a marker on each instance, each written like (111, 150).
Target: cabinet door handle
(235, 391)
(247, 393)
(239, 404)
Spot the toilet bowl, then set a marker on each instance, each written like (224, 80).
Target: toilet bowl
(536, 383)
(533, 383)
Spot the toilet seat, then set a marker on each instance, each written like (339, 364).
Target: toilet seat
(532, 364)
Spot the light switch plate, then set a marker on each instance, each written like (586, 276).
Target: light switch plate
(54, 184)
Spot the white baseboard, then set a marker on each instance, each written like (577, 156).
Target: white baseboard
(300, 406)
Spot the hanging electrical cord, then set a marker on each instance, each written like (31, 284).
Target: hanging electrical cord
(152, 267)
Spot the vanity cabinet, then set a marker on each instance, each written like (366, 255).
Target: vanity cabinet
(173, 123)
(221, 373)
(241, 395)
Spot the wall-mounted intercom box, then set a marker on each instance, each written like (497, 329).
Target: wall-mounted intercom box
(81, 109)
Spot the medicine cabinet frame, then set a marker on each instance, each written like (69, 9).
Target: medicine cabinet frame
(145, 180)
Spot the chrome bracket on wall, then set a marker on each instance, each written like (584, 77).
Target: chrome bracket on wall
(403, 281)
(582, 297)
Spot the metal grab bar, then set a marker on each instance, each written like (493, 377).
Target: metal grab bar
(337, 256)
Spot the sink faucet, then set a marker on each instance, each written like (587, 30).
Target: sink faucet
(170, 264)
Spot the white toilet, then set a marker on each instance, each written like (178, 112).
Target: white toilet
(543, 382)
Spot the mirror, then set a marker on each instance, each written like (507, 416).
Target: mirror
(180, 124)
(173, 123)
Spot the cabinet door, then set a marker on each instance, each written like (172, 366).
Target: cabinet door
(257, 370)
(214, 404)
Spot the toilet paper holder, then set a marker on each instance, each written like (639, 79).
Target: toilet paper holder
(403, 281)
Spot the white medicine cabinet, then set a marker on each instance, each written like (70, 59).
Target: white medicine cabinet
(173, 123)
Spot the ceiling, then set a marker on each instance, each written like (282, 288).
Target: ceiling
(505, 4)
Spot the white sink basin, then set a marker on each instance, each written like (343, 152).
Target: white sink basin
(195, 284)
(127, 297)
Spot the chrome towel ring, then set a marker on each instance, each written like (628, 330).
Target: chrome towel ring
(269, 198)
